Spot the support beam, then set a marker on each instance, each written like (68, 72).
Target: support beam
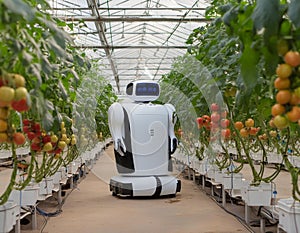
(130, 9)
(100, 28)
(131, 47)
(119, 33)
(133, 75)
(131, 19)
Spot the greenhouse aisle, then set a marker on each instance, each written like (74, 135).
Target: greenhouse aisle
(90, 208)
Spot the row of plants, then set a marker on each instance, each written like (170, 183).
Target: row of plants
(53, 99)
(250, 52)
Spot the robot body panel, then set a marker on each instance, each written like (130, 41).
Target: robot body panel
(143, 135)
(149, 138)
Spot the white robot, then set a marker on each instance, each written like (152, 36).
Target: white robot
(144, 139)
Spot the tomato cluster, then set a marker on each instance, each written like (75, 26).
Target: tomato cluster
(13, 93)
(40, 141)
(247, 128)
(13, 96)
(216, 123)
(286, 110)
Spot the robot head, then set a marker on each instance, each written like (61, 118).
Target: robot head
(143, 90)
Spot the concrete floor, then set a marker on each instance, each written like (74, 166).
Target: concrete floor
(90, 208)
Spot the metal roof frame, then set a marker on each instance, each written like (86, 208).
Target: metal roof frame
(132, 38)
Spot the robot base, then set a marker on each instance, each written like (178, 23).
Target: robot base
(144, 186)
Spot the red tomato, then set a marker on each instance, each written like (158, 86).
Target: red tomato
(294, 114)
(225, 123)
(19, 138)
(292, 58)
(277, 109)
(226, 133)
(31, 135)
(200, 121)
(214, 107)
(238, 125)
(249, 122)
(215, 117)
(224, 114)
(244, 133)
(46, 138)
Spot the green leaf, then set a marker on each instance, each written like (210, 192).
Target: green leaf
(264, 108)
(267, 15)
(56, 48)
(249, 60)
(47, 121)
(21, 8)
(229, 16)
(62, 89)
(271, 61)
(35, 69)
(293, 12)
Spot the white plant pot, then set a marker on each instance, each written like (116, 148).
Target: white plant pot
(294, 160)
(197, 164)
(26, 197)
(257, 195)
(232, 180)
(258, 156)
(57, 177)
(73, 167)
(192, 160)
(219, 176)
(183, 158)
(8, 216)
(274, 158)
(4, 154)
(46, 186)
(211, 172)
(289, 215)
(204, 167)
(23, 150)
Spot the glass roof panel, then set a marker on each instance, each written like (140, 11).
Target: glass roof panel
(132, 38)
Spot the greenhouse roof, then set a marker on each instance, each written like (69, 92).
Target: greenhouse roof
(132, 39)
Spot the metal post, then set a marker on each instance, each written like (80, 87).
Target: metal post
(246, 213)
(194, 176)
(71, 182)
(189, 172)
(34, 219)
(59, 198)
(262, 225)
(84, 169)
(18, 224)
(223, 196)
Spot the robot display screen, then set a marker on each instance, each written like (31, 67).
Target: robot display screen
(150, 89)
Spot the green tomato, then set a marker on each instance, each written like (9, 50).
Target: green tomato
(285, 28)
(281, 122)
(297, 92)
(282, 47)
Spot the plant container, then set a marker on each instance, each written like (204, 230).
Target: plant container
(197, 164)
(259, 195)
(46, 187)
(289, 215)
(219, 176)
(26, 197)
(205, 166)
(8, 216)
(274, 158)
(232, 180)
(294, 160)
(211, 171)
